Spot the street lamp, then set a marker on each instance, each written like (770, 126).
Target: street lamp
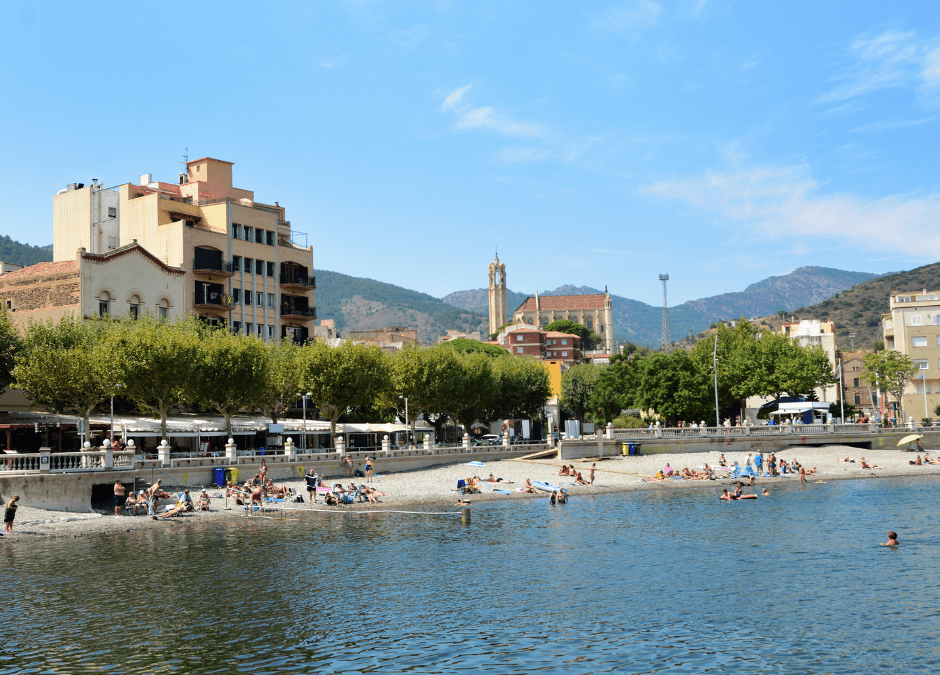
(406, 417)
(117, 386)
(303, 436)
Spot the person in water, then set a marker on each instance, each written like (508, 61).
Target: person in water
(892, 539)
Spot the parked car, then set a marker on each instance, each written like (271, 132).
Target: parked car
(490, 439)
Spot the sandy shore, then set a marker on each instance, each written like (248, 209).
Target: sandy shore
(431, 489)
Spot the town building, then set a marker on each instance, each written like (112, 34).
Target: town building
(595, 312)
(389, 339)
(814, 333)
(521, 339)
(912, 327)
(326, 333)
(127, 281)
(454, 334)
(243, 264)
(857, 390)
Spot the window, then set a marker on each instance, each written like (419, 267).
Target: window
(518, 338)
(270, 238)
(236, 263)
(112, 242)
(247, 297)
(133, 311)
(858, 399)
(260, 329)
(590, 323)
(921, 363)
(518, 350)
(917, 320)
(919, 341)
(270, 299)
(564, 353)
(259, 267)
(249, 233)
(270, 332)
(248, 327)
(564, 342)
(112, 212)
(236, 231)
(260, 298)
(237, 295)
(103, 309)
(270, 269)
(249, 265)
(163, 312)
(259, 236)
(855, 382)
(236, 326)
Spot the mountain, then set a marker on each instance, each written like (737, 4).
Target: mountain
(23, 254)
(857, 311)
(356, 303)
(641, 323)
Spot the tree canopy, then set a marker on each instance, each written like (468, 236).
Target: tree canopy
(890, 371)
(9, 344)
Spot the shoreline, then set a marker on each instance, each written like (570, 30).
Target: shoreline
(425, 488)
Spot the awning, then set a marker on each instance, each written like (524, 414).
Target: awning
(790, 412)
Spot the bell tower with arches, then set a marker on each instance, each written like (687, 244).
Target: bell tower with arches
(498, 311)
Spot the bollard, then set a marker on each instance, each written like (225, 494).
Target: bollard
(610, 430)
(506, 440)
(427, 443)
(108, 454)
(466, 442)
(290, 450)
(163, 453)
(465, 515)
(386, 445)
(231, 452)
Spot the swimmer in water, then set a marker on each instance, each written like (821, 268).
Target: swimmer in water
(765, 492)
(892, 539)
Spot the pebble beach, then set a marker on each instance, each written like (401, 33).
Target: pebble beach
(434, 489)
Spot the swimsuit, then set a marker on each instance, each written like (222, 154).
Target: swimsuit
(10, 513)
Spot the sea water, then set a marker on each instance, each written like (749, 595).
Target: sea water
(662, 581)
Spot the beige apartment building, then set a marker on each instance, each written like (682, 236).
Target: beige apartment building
(810, 333)
(242, 264)
(912, 327)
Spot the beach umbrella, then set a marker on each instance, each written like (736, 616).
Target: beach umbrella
(909, 439)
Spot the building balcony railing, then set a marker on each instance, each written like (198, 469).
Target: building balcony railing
(218, 302)
(307, 284)
(303, 313)
(222, 267)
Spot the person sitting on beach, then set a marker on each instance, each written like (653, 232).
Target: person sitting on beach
(331, 499)
(721, 460)
(131, 503)
(579, 480)
(528, 487)
(708, 473)
(685, 473)
(563, 471)
(257, 495)
(916, 462)
(203, 500)
(892, 539)
(866, 465)
(368, 494)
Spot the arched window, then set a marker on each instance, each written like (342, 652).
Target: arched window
(104, 304)
(133, 310)
(163, 308)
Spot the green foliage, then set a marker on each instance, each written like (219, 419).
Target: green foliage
(282, 379)
(156, 361)
(349, 376)
(925, 421)
(889, 371)
(229, 373)
(835, 409)
(628, 422)
(936, 410)
(465, 345)
(675, 386)
(476, 390)
(522, 388)
(428, 378)
(68, 367)
(577, 385)
(499, 330)
(23, 254)
(9, 344)
(571, 328)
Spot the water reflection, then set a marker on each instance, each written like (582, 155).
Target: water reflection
(645, 582)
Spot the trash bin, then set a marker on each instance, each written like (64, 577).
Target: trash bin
(626, 448)
(233, 474)
(632, 448)
(219, 476)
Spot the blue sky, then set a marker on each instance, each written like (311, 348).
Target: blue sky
(596, 143)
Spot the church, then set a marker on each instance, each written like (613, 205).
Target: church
(593, 311)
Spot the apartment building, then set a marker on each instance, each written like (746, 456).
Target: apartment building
(858, 391)
(243, 265)
(813, 333)
(912, 327)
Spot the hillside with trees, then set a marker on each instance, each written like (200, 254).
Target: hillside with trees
(23, 254)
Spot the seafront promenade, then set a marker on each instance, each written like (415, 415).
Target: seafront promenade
(71, 481)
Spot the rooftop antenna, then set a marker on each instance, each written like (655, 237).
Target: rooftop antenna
(185, 156)
(664, 278)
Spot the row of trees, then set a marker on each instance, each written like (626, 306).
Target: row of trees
(73, 366)
(680, 385)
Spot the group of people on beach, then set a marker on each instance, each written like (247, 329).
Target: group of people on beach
(148, 500)
(339, 495)
(569, 470)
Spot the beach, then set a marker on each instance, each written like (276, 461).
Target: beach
(434, 489)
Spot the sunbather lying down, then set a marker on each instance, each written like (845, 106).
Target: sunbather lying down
(866, 465)
(176, 510)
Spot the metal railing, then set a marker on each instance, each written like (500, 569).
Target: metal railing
(306, 282)
(212, 266)
(762, 430)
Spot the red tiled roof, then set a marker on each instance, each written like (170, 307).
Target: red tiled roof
(556, 334)
(41, 269)
(560, 302)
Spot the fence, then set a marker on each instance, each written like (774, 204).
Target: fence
(743, 431)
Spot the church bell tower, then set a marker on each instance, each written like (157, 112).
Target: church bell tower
(497, 295)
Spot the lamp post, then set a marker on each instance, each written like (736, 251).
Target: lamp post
(117, 386)
(406, 417)
(303, 436)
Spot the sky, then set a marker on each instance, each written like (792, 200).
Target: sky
(598, 144)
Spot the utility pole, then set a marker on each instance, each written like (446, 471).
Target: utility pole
(715, 363)
(664, 278)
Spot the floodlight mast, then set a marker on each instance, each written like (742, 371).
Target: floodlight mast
(664, 278)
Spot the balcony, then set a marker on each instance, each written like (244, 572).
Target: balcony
(289, 311)
(214, 301)
(300, 283)
(221, 268)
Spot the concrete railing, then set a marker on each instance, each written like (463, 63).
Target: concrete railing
(763, 430)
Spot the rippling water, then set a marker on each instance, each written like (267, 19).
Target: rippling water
(639, 583)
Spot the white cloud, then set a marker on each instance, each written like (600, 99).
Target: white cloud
(453, 98)
(889, 60)
(630, 19)
(786, 203)
(333, 63)
(893, 123)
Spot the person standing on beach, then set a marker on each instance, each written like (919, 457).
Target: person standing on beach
(312, 479)
(263, 472)
(349, 465)
(10, 513)
(369, 467)
(802, 474)
(592, 472)
(758, 462)
(119, 497)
